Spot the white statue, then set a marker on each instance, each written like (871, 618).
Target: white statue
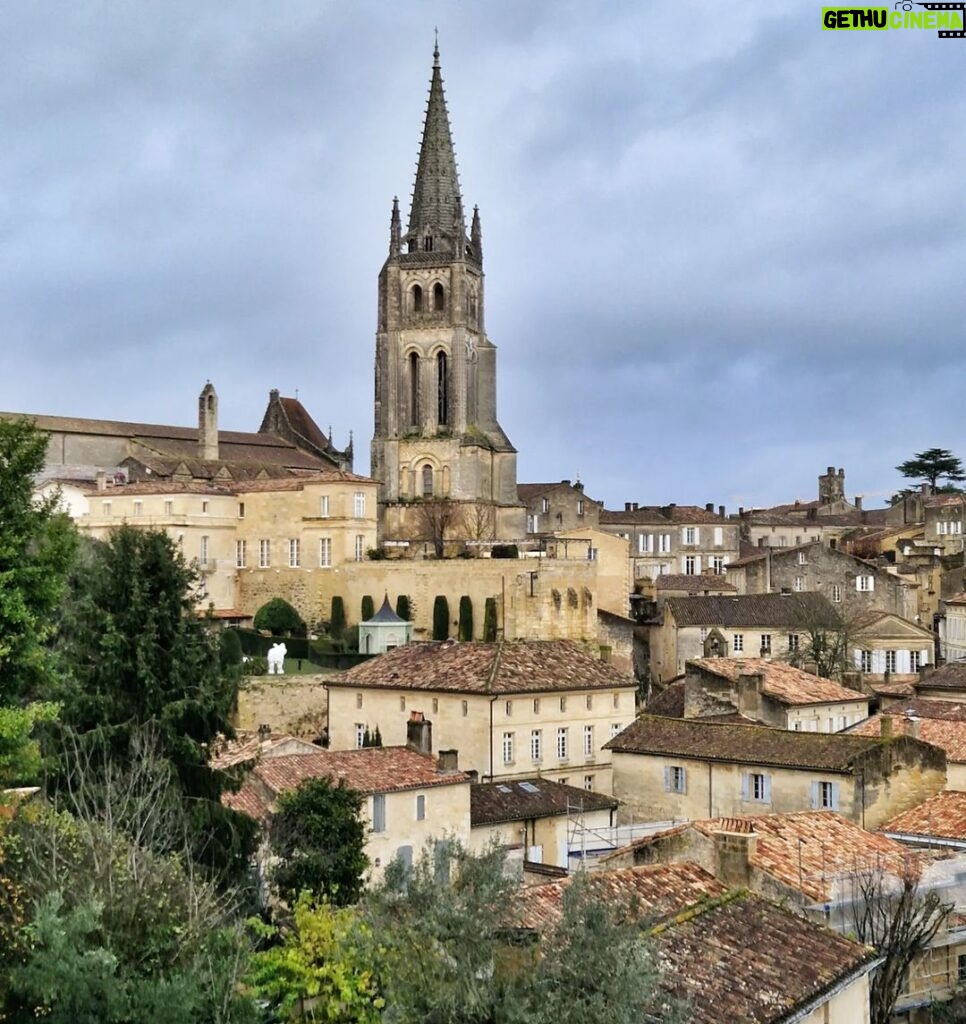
(276, 659)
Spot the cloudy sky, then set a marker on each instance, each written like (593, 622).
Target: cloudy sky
(724, 249)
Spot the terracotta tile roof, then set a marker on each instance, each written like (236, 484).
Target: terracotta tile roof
(695, 584)
(944, 501)
(939, 722)
(893, 689)
(327, 476)
(669, 703)
(750, 610)
(698, 739)
(942, 816)
(951, 676)
(250, 748)
(160, 487)
(494, 802)
(646, 515)
(781, 682)
(513, 666)
(705, 939)
(528, 491)
(367, 770)
(247, 800)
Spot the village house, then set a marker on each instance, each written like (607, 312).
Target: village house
(887, 648)
(555, 507)
(676, 769)
(952, 628)
(948, 682)
(512, 709)
(770, 693)
(732, 955)
(755, 625)
(552, 823)
(410, 797)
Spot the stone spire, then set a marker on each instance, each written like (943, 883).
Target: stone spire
(436, 194)
(394, 229)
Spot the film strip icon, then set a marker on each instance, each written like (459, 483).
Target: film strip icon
(947, 33)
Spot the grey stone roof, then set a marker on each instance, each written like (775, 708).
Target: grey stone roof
(751, 610)
(385, 615)
(493, 802)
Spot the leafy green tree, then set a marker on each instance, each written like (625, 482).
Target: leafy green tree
(322, 970)
(932, 465)
(137, 656)
(230, 648)
(489, 620)
(279, 618)
(319, 838)
(368, 608)
(440, 618)
(403, 606)
(466, 619)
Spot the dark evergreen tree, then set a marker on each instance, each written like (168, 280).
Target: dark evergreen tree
(368, 608)
(403, 607)
(440, 618)
(337, 620)
(489, 620)
(466, 619)
(932, 464)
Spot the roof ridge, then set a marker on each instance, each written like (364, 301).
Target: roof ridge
(491, 679)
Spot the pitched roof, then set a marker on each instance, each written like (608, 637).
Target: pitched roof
(776, 610)
(951, 676)
(695, 584)
(939, 722)
(781, 682)
(527, 491)
(669, 703)
(942, 816)
(705, 937)
(494, 802)
(698, 739)
(512, 666)
(385, 615)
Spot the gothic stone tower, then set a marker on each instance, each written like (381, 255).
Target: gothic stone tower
(437, 441)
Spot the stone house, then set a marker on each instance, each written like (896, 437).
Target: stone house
(948, 682)
(849, 582)
(888, 648)
(771, 693)
(952, 628)
(674, 539)
(755, 625)
(410, 797)
(552, 508)
(673, 769)
(732, 955)
(543, 817)
(511, 708)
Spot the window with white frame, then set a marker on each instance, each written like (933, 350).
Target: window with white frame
(801, 557)
(615, 728)
(756, 787)
(536, 744)
(562, 735)
(865, 661)
(718, 536)
(533, 524)
(836, 593)
(890, 661)
(738, 642)
(689, 565)
(588, 741)
(825, 796)
(420, 807)
(766, 643)
(294, 556)
(203, 551)
(239, 554)
(324, 506)
(325, 552)
(865, 583)
(360, 735)
(645, 543)
(915, 661)
(359, 504)
(675, 779)
(589, 783)
(718, 564)
(360, 547)
(508, 748)
(799, 584)
(793, 641)
(689, 535)
(264, 554)
(664, 543)
(544, 505)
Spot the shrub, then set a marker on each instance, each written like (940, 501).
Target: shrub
(489, 621)
(278, 617)
(230, 648)
(403, 607)
(440, 618)
(505, 551)
(368, 608)
(466, 618)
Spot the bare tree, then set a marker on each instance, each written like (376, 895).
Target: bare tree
(891, 914)
(826, 635)
(479, 522)
(436, 518)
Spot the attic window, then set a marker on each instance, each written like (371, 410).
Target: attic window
(528, 787)
(504, 789)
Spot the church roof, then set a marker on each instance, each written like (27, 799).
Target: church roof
(436, 193)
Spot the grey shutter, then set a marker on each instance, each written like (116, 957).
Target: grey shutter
(816, 795)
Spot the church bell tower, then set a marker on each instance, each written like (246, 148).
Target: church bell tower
(436, 438)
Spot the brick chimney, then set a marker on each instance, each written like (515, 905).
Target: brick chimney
(419, 733)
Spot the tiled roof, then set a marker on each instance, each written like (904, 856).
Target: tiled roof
(494, 802)
(695, 584)
(706, 938)
(942, 816)
(774, 610)
(951, 676)
(781, 682)
(698, 739)
(528, 491)
(893, 689)
(513, 666)
(669, 703)
(645, 515)
(251, 748)
(248, 800)
(939, 722)
(226, 487)
(959, 598)
(944, 501)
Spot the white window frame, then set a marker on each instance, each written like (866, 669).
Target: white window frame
(323, 506)
(508, 748)
(588, 741)
(240, 552)
(563, 743)
(360, 734)
(360, 548)
(203, 550)
(890, 661)
(664, 543)
(325, 552)
(675, 779)
(836, 593)
(359, 505)
(799, 584)
(536, 744)
(737, 642)
(865, 583)
(756, 788)
(294, 553)
(719, 536)
(264, 554)
(765, 643)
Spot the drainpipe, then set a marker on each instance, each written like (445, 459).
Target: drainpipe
(490, 776)
(710, 801)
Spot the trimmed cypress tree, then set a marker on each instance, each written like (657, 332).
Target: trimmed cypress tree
(402, 607)
(368, 608)
(440, 618)
(337, 621)
(466, 618)
(489, 620)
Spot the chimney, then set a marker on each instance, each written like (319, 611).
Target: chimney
(627, 506)
(709, 507)
(734, 853)
(419, 733)
(566, 483)
(101, 480)
(449, 761)
(635, 506)
(885, 727)
(208, 423)
(749, 692)
(721, 511)
(857, 501)
(912, 723)
(741, 511)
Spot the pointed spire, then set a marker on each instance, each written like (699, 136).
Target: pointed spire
(459, 228)
(395, 231)
(437, 188)
(476, 235)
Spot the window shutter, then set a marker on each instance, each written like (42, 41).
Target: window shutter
(924, 656)
(857, 658)
(667, 778)
(835, 796)
(684, 780)
(816, 794)
(858, 584)
(878, 661)
(697, 565)
(745, 785)
(767, 787)
(697, 535)
(684, 535)
(683, 565)
(903, 662)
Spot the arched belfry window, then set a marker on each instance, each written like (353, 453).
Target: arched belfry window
(211, 402)
(413, 388)
(439, 299)
(417, 299)
(428, 243)
(442, 389)
(427, 481)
